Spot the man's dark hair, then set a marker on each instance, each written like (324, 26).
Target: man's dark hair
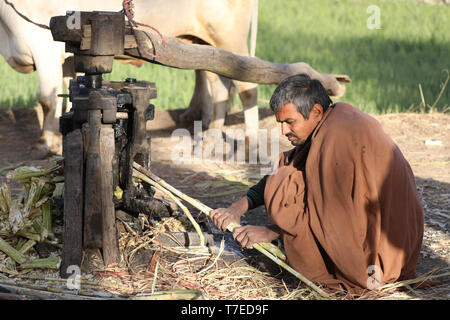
(302, 91)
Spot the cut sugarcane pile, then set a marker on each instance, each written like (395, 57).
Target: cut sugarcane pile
(26, 218)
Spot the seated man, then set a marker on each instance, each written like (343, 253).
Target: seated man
(343, 200)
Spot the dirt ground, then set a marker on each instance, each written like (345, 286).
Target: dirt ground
(423, 138)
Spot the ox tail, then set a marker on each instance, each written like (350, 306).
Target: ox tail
(254, 28)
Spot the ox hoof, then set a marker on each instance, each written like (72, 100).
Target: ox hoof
(40, 151)
(51, 141)
(55, 150)
(42, 147)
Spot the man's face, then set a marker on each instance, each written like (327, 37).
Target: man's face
(294, 126)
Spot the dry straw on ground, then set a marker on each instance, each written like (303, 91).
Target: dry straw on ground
(173, 273)
(150, 270)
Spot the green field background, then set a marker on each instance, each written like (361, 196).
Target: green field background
(386, 65)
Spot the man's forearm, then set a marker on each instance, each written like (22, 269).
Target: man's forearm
(241, 206)
(255, 194)
(275, 229)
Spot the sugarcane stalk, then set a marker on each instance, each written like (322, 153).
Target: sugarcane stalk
(24, 234)
(158, 295)
(10, 296)
(47, 216)
(28, 235)
(40, 192)
(20, 243)
(203, 208)
(58, 245)
(27, 246)
(22, 174)
(171, 295)
(59, 293)
(83, 282)
(58, 289)
(176, 192)
(5, 198)
(10, 264)
(11, 252)
(42, 201)
(42, 294)
(412, 281)
(40, 229)
(10, 167)
(291, 270)
(58, 179)
(45, 263)
(185, 210)
(30, 199)
(258, 246)
(22, 248)
(267, 246)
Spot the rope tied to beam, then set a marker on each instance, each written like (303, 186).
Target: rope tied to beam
(40, 25)
(128, 11)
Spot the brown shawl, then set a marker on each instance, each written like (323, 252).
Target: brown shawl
(347, 204)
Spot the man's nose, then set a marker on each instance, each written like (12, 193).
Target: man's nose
(284, 128)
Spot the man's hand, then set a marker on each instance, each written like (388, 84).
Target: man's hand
(222, 217)
(248, 235)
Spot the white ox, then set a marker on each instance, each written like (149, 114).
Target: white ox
(222, 23)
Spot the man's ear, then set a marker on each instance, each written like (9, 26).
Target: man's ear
(316, 112)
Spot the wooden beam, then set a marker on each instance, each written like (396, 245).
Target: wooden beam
(182, 55)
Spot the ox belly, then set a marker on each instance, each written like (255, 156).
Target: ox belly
(220, 23)
(16, 52)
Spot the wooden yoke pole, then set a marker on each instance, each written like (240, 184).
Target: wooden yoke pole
(179, 54)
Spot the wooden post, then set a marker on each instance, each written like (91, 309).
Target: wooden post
(73, 201)
(92, 204)
(110, 245)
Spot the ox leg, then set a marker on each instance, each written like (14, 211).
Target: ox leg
(248, 93)
(201, 104)
(220, 93)
(50, 83)
(68, 74)
(213, 136)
